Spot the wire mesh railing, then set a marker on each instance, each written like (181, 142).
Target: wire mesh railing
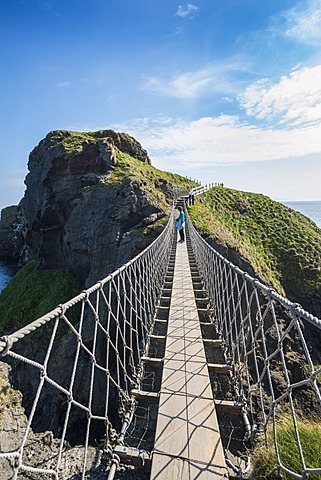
(275, 372)
(77, 365)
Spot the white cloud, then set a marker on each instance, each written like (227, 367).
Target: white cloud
(303, 22)
(186, 10)
(63, 85)
(294, 100)
(176, 144)
(217, 78)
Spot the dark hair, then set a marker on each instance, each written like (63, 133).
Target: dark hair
(179, 208)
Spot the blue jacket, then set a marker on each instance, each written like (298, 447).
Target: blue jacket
(180, 223)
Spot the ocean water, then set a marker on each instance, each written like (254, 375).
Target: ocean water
(7, 271)
(311, 209)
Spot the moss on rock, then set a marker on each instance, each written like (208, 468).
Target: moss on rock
(32, 293)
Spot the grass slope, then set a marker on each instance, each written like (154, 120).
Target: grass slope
(32, 293)
(265, 458)
(283, 246)
(154, 183)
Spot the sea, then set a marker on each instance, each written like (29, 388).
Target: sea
(311, 209)
(7, 270)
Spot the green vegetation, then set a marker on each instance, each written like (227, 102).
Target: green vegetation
(72, 141)
(32, 293)
(156, 185)
(283, 246)
(310, 438)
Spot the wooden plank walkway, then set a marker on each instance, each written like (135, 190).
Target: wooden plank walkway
(187, 442)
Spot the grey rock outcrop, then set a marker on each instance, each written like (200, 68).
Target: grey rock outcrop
(77, 220)
(11, 232)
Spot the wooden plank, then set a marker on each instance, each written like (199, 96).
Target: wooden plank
(220, 368)
(147, 397)
(158, 338)
(152, 362)
(171, 433)
(229, 406)
(187, 439)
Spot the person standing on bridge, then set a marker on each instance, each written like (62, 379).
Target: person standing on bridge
(180, 224)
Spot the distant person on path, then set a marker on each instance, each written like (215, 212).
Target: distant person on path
(191, 198)
(180, 224)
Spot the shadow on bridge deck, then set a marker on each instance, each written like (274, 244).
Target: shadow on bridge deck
(187, 441)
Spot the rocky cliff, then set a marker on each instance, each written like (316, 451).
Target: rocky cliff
(87, 196)
(92, 202)
(11, 232)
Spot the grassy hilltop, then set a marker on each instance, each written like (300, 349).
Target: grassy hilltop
(282, 245)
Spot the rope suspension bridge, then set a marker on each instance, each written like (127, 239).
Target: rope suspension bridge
(173, 365)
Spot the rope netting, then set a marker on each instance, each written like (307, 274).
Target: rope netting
(76, 367)
(266, 340)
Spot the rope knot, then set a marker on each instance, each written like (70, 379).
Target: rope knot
(85, 292)
(8, 344)
(63, 309)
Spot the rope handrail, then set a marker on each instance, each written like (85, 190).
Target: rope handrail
(264, 337)
(14, 337)
(89, 364)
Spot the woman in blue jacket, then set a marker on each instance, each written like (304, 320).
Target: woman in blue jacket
(180, 224)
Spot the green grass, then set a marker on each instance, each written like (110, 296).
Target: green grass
(156, 185)
(310, 438)
(144, 174)
(283, 246)
(32, 293)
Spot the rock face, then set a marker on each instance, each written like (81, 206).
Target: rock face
(11, 232)
(74, 219)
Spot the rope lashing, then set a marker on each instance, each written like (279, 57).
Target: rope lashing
(5, 345)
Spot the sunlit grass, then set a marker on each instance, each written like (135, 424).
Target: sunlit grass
(283, 246)
(32, 293)
(265, 459)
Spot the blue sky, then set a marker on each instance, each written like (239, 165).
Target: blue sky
(218, 90)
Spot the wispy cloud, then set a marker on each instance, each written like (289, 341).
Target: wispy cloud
(176, 144)
(176, 32)
(301, 23)
(63, 85)
(186, 10)
(219, 78)
(46, 5)
(294, 101)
